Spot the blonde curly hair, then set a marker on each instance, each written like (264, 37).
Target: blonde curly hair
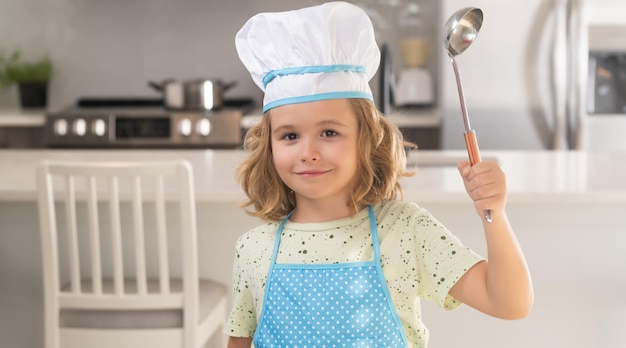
(382, 161)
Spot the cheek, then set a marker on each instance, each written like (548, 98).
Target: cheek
(354, 155)
(281, 158)
(347, 150)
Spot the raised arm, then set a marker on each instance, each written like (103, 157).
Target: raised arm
(500, 286)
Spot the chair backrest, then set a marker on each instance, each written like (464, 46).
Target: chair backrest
(96, 250)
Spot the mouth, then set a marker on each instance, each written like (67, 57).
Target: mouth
(311, 173)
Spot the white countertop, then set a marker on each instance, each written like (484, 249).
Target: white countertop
(22, 118)
(541, 176)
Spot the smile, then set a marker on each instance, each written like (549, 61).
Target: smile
(312, 173)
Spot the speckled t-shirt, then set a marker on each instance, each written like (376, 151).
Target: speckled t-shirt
(419, 256)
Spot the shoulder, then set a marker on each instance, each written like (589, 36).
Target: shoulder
(407, 218)
(400, 210)
(254, 248)
(258, 235)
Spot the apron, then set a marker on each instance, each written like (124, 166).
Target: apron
(328, 305)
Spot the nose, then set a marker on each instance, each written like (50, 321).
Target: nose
(310, 151)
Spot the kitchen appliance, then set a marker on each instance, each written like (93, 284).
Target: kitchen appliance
(529, 76)
(143, 123)
(415, 84)
(606, 88)
(198, 94)
(459, 31)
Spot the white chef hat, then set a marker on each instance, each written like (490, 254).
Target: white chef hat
(315, 53)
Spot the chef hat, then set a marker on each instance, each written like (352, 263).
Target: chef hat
(315, 53)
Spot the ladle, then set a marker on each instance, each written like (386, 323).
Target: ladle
(460, 31)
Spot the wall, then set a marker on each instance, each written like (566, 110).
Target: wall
(113, 48)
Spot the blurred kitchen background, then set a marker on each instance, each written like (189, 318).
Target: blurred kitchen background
(527, 79)
(541, 75)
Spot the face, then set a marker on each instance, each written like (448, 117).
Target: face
(314, 148)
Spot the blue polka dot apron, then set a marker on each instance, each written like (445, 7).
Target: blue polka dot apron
(328, 305)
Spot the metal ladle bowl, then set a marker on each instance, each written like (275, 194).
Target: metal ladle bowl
(460, 31)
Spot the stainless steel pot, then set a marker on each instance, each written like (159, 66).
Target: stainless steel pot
(200, 94)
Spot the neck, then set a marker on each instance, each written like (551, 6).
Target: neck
(320, 211)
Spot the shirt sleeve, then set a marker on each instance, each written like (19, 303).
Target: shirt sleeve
(443, 260)
(242, 319)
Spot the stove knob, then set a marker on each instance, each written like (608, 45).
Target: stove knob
(79, 127)
(185, 127)
(60, 127)
(98, 127)
(203, 127)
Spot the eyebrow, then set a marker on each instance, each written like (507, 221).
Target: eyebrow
(331, 122)
(282, 128)
(287, 127)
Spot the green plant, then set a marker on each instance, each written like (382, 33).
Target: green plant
(14, 70)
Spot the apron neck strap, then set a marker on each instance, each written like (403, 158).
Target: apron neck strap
(374, 229)
(277, 239)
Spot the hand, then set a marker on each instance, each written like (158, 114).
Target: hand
(485, 183)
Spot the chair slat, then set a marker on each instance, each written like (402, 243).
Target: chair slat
(70, 209)
(190, 247)
(49, 240)
(116, 235)
(140, 253)
(94, 234)
(164, 272)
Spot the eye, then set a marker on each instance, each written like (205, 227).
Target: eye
(290, 136)
(329, 133)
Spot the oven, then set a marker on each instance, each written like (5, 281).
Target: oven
(143, 123)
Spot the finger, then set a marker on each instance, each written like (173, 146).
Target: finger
(485, 185)
(464, 168)
(481, 180)
(484, 192)
(483, 167)
(486, 173)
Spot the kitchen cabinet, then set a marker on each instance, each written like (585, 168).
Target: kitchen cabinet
(426, 138)
(21, 128)
(419, 125)
(21, 137)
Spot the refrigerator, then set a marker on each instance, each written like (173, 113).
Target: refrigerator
(525, 75)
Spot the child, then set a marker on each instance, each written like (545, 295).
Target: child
(340, 261)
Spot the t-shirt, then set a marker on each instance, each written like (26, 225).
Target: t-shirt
(420, 259)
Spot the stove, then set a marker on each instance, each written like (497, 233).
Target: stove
(143, 123)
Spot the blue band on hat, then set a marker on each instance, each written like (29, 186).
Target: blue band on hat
(311, 70)
(318, 97)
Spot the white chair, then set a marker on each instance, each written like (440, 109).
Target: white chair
(106, 298)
